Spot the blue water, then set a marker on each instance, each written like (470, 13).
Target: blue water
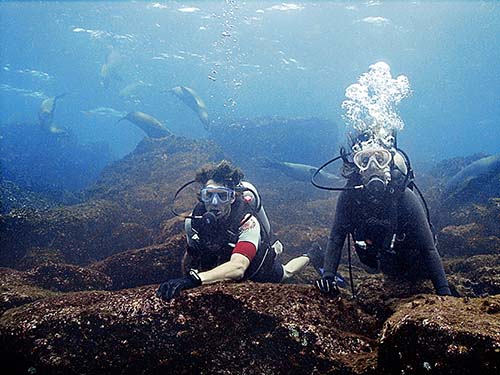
(267, 59)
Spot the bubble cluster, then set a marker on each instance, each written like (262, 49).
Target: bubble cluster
(371, 102)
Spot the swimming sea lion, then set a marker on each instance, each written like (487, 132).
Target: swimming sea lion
(109, 68)
(300, 172)
(148, 124)
(105, 112)
(193, 101)
(135, 91)
(473, 178)
(46, 111)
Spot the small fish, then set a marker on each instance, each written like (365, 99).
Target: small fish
(148, 124)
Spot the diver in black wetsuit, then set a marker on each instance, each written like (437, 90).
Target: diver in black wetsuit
(386, 219)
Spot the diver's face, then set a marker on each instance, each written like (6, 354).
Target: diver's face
(217, 199)
(374, 168)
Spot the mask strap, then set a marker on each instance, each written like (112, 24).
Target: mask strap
(313, 177)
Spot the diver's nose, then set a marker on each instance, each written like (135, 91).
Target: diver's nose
(215, 200)
(372, 164)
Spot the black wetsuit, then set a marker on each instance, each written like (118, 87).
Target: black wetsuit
(413, 254)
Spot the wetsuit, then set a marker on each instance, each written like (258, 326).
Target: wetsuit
(241, 234)
(393, 234)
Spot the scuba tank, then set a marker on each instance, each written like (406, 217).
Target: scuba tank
(252, 197)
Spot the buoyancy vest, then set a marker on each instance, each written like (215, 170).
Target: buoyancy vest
(212, 245)
(376, 229)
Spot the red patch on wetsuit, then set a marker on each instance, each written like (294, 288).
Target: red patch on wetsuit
(245, 248)
(249, 224)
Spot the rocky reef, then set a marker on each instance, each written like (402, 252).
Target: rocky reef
(77, 291)
(52, 172)
(248, 328)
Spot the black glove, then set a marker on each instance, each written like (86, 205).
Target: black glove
(172, 288)
(328, 285)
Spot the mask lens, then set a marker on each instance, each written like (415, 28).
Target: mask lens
(224, 195)
(382, 158)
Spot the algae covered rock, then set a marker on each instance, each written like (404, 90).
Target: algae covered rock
(124, 209)
(234, 328)
(17, 290)
(81, 233)
(475, 276)
(150, 265)
(442, 335)
(67, 278)
(468, 239)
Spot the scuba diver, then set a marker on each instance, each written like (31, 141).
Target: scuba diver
(229, 237)
(378, 207)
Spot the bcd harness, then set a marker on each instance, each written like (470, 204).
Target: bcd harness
(215, 243)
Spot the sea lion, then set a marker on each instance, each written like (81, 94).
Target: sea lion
(110, 67)
(46, 112)
(148, 124)
(105, 112)
(474, 178)
(135, 91)
(300, 172)
(193, 101)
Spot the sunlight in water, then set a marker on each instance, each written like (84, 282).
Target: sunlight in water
(371, 102)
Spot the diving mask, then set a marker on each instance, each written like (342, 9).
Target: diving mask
(216, 195)
(380, 157)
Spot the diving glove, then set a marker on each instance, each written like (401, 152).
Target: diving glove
(328, 285)
(172, 288)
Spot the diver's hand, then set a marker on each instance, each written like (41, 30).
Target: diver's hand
(328, 285)
(172, 288)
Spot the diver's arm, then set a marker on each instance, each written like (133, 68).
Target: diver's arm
(243, 253)
(338, 234)
(425, 242)
(233, 270)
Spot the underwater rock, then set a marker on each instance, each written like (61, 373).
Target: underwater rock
(150, 265)
(475, 276)
(81, 233)
(13, 196)
(123, 211)
(17, 290)
(442, 335)
(233, 328)
(67, 278)
(53, 166)
(21, 287)
(469, 239)
(170, 228)
(147, 179)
